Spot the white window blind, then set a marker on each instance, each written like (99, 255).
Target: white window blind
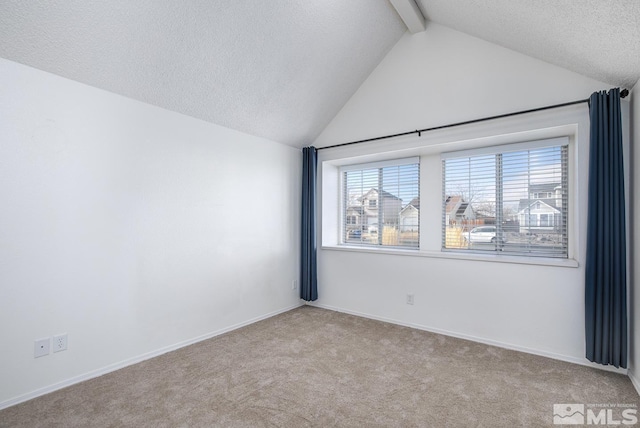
(509, 199)
(380, 204)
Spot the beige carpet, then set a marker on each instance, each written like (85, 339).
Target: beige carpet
(313, 367)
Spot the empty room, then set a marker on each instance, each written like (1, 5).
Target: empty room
(362, 213)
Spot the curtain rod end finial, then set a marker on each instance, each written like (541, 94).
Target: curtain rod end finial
(624, 93)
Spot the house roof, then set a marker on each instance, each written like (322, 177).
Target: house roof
(282, 69)
(358, 209)
(383, 193)
(526, 203)
(544, 187)
(462, 208)
(413, 205)
(452, 203)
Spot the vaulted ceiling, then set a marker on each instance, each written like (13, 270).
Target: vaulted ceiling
(596, 38)
(282, 69)
(279, 69)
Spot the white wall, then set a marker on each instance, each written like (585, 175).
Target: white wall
(434, 78)
(634, 304)
(442, 76)
(131, 228)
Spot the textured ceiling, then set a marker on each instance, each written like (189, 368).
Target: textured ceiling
(279, 69)
(596, 38)
(282, 69)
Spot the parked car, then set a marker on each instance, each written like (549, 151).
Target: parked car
(354, 234)
(483, 234)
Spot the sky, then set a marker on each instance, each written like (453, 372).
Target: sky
(475, 177)
(401, 181)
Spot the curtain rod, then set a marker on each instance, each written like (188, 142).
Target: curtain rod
(623, 94)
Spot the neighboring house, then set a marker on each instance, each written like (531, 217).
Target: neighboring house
(367, 211)
(457, 210)
(546, 191)
(542, 210)
(410, 216)
(353, 215)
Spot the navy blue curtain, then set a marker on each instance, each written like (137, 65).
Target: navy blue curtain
(606, 280)
(308, 269)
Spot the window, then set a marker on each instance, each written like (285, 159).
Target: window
(520, 190)
(541, 195)
(385, 195)
(546, 220)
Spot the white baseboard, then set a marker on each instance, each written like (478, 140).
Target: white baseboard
(634, 381)
(134, 360)
(569, 359)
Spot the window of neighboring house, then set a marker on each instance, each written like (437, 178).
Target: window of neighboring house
(545, 220)
(496, 184)
(387, 194)
(542, 195)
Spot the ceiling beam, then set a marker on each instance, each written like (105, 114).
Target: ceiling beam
(410, 14)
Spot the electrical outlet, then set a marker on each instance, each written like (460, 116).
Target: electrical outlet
(41, 347)
(294, 284)
(60, 342)
(409, 299)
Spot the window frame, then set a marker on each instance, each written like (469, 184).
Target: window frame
(531, 219)
(570, 122)
(342, 233)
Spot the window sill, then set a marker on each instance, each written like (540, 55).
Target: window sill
(494, 258)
